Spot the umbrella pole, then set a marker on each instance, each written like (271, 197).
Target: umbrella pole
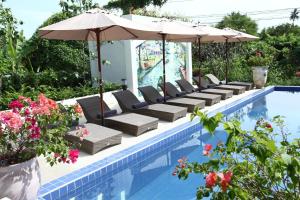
(199, 57)
(227, 60)
(98, 32)
(164, 64)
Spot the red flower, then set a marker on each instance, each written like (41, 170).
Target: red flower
(35, 133)
(73, 155)
(207, 148)
(174, 173)
(225, 180)
(16, 105)
(269, 126)
(211, 179)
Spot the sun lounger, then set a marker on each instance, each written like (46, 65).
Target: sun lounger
(225, 94)
(129, 123)
(151, 96)
(213, 79)
(133, 123)
(130, 103)
(210, 99)
(235, 88)
(209, 89)
(99, 138)
(173, 91)
(249, 86)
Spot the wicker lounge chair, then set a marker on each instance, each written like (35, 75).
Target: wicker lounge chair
(173, 91)
(152, 96)
(129, 123)
(99, 138)
(130, 103)
(213, 79)
(205, 87)
(248, 85)
(235, 88)
(210, 99)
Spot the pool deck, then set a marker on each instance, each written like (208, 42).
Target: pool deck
(51, 173)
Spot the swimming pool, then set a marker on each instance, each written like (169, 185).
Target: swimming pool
(147, 175)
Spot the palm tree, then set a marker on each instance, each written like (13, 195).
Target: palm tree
(294, 15)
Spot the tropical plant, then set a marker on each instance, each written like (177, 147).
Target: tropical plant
(250, 164)
(34, 128)
(294, 15)
(239, 22)
(75, 7)
(10, 38)
(259, 59)
(129, 6)
(43, 54)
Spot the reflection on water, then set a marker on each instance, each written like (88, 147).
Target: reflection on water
(259, 109)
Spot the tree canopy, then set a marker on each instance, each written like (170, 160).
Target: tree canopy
(129, 6)
(239, 22)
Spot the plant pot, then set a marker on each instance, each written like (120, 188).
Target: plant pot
(20, 181)
(260, 74)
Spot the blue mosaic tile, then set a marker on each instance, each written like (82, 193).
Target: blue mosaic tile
(47, 197)
(78, 183)
(55, 195)
(71, 186)
(63, 191)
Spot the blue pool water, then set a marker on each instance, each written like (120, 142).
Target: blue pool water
(150, 177)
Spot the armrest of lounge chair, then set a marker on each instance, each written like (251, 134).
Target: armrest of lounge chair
(139, 105)
(161, 99)
(107, 113)
(180, 94)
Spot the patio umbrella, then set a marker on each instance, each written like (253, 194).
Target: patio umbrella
(174, 31)
(239, 37)
(97, 25)
(213, 35)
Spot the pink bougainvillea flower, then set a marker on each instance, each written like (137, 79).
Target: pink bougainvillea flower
(41, 110)
(35, 132)
(44, 105)
(27, 112)
(225, 179)
(73, 155)
(15, 105)
(211, 179)
(77, 108)
(11, 120)
(207, 148)
(25, 99)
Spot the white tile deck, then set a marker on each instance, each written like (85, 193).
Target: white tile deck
(50, 173)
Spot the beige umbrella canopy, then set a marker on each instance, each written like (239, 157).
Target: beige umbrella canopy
(97, 25)
(240, 36)
(86, 25)
(210, 35)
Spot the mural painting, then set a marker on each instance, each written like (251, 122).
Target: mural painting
(150, 65)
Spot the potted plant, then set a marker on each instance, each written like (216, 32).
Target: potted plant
(30, 129)
(260, 64)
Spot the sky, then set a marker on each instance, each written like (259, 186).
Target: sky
(34, 12)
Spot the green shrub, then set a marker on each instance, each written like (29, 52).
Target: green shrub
(54, 93)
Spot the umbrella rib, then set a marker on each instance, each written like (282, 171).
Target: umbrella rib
(42, 35)
(129, 32)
